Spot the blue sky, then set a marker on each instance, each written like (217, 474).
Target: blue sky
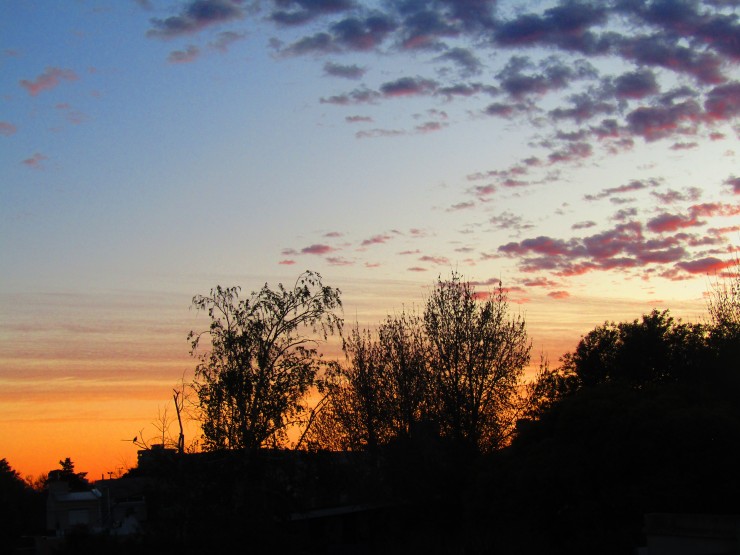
(583, 152)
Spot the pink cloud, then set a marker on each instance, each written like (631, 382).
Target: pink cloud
(734, 184)
(317, 249)
(705, 265)
(416, 269)
(35, 161)
(435, 259)
(286, 262)
(376, 240)
(339, 261)
(7, 129)
(558, 294)
(48, 80)
(671, 222)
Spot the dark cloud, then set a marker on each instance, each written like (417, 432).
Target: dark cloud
(362, 33)
(464, 59)
(622, 247)
(195, 16)
(565, 26)
(422, 29)
(299, 12)
(658, 122)
(346, 71)
(358, 96)
(723, 102)
(584, 107)
(407, 86)
(707, 265)
(636, 84)
(583, 225)
(552, 74)
(659, 50)
(672, 222)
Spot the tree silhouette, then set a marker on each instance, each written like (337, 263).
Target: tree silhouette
(262, 359)
(380, 392)
(477, 355)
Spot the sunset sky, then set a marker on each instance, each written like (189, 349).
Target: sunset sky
(584, 153)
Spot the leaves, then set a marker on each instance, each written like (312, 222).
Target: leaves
(262, 359)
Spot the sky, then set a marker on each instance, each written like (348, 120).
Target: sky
(583, 153)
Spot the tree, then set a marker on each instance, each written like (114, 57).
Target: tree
(18, 503)
(380, 392)
(477, 354)
(252, 381)
(77, 481)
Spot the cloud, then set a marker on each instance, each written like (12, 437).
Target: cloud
(358, 119)
(672, 196)
(439, 260)
(723, 102)
(376, 240)
(630, 187)
(584, 107)
(339, 261)
(734, 184)
(345, 71)
(36, 161)
(7, 128)
(653, 123)
(553, 74)
(623, 247)
(361, 95)
(558, 294)
(461, 206)
(565, 26)
(665, 52)
(583, 225)
(225, 39)
(467, 62)
(706, 265)
(48, 80)
(408, 86)
(349, 34)
(287, 262)
(190, 54)
(416, 269)
(636, 84)
(317, 249)
(571, 153)
(300, 12)
(195, 16)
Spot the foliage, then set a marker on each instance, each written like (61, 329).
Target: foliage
(454, 369)
(18, 503)
(655, 349)
(262, 361)
(381, 392)
(477, 355)
(77, 481)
